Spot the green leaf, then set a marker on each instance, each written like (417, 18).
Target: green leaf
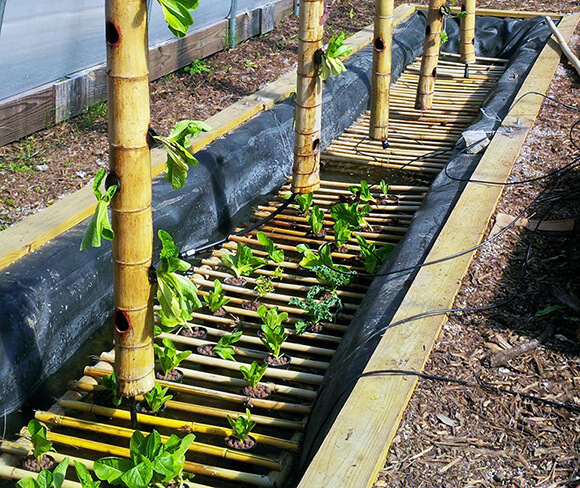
(59, 473)
(181, 448)
(254, 373)
(111, 469)
(177, 15)
(275, 254)
(44, 479)
(548, 310)
(139, 476)
(166, 466)
(27, 483)
(84, 476)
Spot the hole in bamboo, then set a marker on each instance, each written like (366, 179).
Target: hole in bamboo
(121, 321)
(111, 34)
(428, 30)
(434, 74)
(463, 8)
(112, 180)
(379, 44)
(316, 146)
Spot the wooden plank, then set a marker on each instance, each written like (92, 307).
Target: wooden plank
(356, 447)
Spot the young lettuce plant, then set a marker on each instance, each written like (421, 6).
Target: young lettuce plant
(168, 357)
(318, 310)
(330, 62)
(321, 263)
(224, 348)
(304, 201)
(40, 444)
(46, 478)
(274, 333)
(352, 213)
(362, 193)
(254, 373)
(315, 220)
(179, 158)
(244, 263)
(342, 233)
(263, 286)
(274, 253)
(373, 257)
(384, 188)
(109, 382)
(152, 463)
(100, 225)
(157, 397)
(215, 299)
(242, 426)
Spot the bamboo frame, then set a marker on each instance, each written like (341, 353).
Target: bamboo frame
(306, 170)
(381, 75)
(467, 32)
(127, 58)
(426, 88)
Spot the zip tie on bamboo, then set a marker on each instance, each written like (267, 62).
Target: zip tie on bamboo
(129, 117)
(428, 73)
(467, 32)
(381, 78)
(306, 170)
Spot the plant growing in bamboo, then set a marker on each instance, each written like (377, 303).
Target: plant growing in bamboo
(352, 213)
(318, 309)
(384, 188)
(254, 373)
(84, 476)
(152, 463)
(321, 263)
(40, 444)
(46, 478)
(315, 220)
(274, 253)
(109, 382)
(224, 348)
(243, 263)
(179, 158)
(446, 11)
(362, 193)
(157, 397)
(263, 286)
(329, 60)
(278, 273)
(100, 225)
(177, 14)
(168, 357)
(304, 201)
(274, 333)
(372, 256)
(342, 233)
(215, 299)
(242, 426)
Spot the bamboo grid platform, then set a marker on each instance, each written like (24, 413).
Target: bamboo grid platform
(419, 144)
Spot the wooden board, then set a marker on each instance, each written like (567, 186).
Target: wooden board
(356, 447)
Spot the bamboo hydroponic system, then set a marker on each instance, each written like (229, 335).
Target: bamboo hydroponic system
(306, 177)
(127, 58)
(426, 88)
(381, 76)
(467, 32)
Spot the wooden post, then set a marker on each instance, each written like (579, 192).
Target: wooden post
(127, 63)
(306, 171)
(467, 32)
(381, 77)
(428, 73)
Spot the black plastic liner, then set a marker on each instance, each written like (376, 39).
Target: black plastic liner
(519, 40)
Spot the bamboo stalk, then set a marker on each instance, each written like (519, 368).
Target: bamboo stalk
(381, 76)
(306, 171)
(127, 59)
(563, 45)
(20, 451)
(467, 32)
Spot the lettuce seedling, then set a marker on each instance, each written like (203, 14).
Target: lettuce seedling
(254, 373)
(342, 233)
(157, 397)
(224, 348)
(152, 463)
(352, 213)
(46, 478)
(384, 187)
(177, 14)
(304, 201)
(168, 356)
(362, 193)
(109, 382)
(177, 295)
(84, 476)
(274, 333)
(373, 257)
(215, 299)
(40, 444)
(331, 63)
(321, 263)
(100, 225)
(274, 253)
(244, 263)
(318, 310)
(242, 426)
(179, 158)
(263, 286)
(315, 218)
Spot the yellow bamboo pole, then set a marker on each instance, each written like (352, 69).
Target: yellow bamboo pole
(426, 87)
(306, 171)
(381, 77)
(127, 58)
(467, 32)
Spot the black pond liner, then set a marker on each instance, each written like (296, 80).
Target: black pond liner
(53, 299)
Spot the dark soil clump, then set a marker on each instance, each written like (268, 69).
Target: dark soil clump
(206, 350)
(260, 391)
(283, 360)
(30, 463)
(232, 280)
(174, 375)
(195, 332)
(235, 443)
(251, 306)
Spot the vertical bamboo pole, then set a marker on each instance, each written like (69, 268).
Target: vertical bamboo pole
(381, 78)
(127, 58)
(467, 32)
(430, 59)
(306, 171)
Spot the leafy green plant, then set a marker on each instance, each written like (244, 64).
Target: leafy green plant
(242, 426)
(215, 299)
(318, 310)
(321, 263)
(100, 225)
(342, 233)
(274, 253)
(352, 213)
(40, 444)
(304, 201)
(177, 14)
(109, 382)
(224, 348)
(254, 373)
(157, 397)
(250, 64)
(179, 158)
(152, 463)
(372, 256)
(243, 263)
(84, 476)
(384, 187)
(278, 273)
(196, 67)
(548, 310)
(330, 62)
(362, 193)
(177, 295)
(446, 11)
(168, 357)
(315, 219)
(274, 333)
(263, 286)
(46, 478)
